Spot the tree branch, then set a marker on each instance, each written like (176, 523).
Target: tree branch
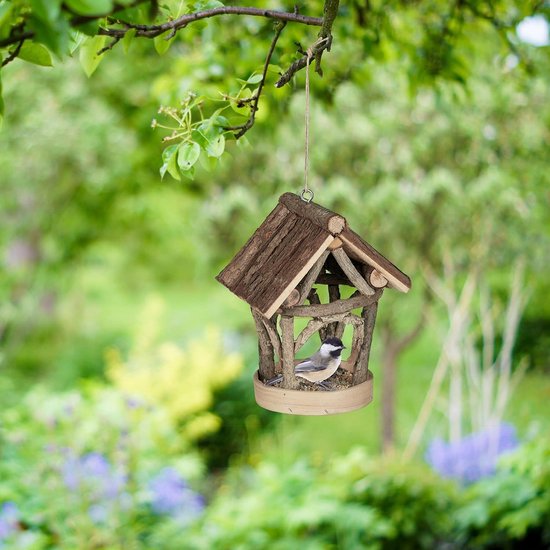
(243, 128)
(324, 42)
(13, 54)
(150, 31)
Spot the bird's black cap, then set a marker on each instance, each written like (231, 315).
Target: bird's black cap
(336, 342)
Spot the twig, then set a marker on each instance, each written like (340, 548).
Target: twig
(109, 46)
(299, 64)
(243, 128)
(13, 54)
(150, 31)
(324, 42)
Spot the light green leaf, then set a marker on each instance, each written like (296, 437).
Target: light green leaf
(188, 155)
(88, 54)
(128, 39)
(161, 44)
(170, 157)
(254, 79)
(190, 174)
(216, 147)
(90, 7)
(35, 53)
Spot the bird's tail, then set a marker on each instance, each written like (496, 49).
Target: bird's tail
(273, 381)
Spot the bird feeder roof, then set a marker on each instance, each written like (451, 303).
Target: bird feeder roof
(286, 246)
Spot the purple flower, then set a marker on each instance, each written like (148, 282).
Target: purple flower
(171, 495)
(9, 520)
(474, 456)
(95, 477)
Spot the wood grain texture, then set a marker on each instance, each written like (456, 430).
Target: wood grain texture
(265, 348)
(361, 369)
(287, 332)
(359, 249)
(313, 402)
(322, 217)
(340, 306)
(352, 273)
(271, 328)
(274, 260)
(336, 326)
(308, 281)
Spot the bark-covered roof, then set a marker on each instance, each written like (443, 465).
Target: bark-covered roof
(286, 246)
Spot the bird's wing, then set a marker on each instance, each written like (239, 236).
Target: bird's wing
(307, 366)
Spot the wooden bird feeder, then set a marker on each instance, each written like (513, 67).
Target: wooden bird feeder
(297, 250)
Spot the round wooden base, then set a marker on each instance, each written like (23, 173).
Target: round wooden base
(313, 402)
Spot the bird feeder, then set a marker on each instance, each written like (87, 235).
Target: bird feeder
(300, 248)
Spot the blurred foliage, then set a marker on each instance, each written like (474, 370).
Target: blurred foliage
(102, 447)
(156, 373)
(356, 501)
(437, 40)
(511, 509)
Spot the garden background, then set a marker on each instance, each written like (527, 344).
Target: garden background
(127, 416)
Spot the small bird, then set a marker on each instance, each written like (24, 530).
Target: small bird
(320, 366)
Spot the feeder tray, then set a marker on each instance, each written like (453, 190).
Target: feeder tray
(300, 248)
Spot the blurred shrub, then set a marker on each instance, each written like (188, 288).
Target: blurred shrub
(533, 342)
(181, 381)
(512, 508)
(355, 502)
(105, 466)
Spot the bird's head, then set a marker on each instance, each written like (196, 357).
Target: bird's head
(332, 346)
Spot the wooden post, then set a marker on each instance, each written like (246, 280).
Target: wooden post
(265, 349)
(369, 318)
(333, 295)
(353, 275)
(287, 331)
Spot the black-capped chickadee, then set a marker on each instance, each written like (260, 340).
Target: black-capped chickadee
(320, 366)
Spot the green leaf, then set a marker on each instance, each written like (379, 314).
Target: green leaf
(88, 54)
(216, 147)
(128, 39)
(35, 53)
(188, 154)
(55, 35)
(254, 79)
(170, 156)
(190, 174)
(90, 7)
(161, 44)
(47, 10)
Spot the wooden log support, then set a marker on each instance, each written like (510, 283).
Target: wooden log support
(287, 331)
(309, 280)
(330, 279)
(374, 277)
(310, 329)
(271, 328)
(334, 296)
(340, 306)
(362, 366)
(293, 299)
(265, 348)
(320, 216)
(356, 342)
(353, 275)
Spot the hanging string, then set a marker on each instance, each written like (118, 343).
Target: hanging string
(307, 194)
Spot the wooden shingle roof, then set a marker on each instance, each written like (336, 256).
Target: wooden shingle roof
(286, 246)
